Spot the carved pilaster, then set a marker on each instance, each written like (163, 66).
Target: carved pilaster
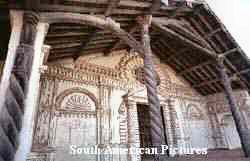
(104, 97)
(133, 127)
(168, 123)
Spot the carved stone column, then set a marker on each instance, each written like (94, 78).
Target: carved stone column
(43, 116)
(133, 127)
(241, 126)
(156, 126)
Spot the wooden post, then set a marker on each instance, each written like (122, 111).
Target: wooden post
(12, 108)
(156, 124)
(241, 126)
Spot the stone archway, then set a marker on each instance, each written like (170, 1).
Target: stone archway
(76, 124)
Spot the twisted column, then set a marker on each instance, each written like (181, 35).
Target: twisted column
(156, 124)
(241, 126)
(12, 109)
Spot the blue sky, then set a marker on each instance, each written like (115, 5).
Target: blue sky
(235, 14)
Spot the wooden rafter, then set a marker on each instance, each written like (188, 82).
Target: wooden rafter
(232, 77)
(111, 6)
(175, 35)
(85, 42)
(231, 51)
(116, 45)
(178, 26)
(156, 5)
(195, 67)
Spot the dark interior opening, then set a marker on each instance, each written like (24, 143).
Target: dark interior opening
(144, 128)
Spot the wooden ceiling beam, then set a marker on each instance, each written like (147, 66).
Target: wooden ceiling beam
(195, 32)
(93, 10)
(116, 45)
(68, 45)
(156, 5)
(204, 21)
(67, 34)
(111, 6)
(190, 35)
(174, 53)
(231, 51)
(200, 29)
(92, 33)
(211, 71)
(209, 39)
(175, 35)
(243, 81)
(212, 33)
(195, 67)
(232, 77)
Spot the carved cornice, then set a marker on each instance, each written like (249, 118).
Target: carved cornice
(67, 74)
(167, 89)
(99, 70)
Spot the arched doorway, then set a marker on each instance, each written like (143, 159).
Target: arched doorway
(197, 127)
(230, 132)
(76, 125)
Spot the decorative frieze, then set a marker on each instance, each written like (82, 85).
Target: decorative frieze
(90, 79)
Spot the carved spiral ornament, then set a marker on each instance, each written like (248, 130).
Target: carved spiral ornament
(156, 126)
(13, 108)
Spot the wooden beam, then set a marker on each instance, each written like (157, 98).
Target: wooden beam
(111, 6)
(232, 77)
(156, 5)
(178, 26)
(92, 34)
(200, 29)
(68, 45)
(212, 33)
(95, 10)
(195, 67)
(175, 35)
(202, 18)
(132, 30)
(175, 53)
(231, 51)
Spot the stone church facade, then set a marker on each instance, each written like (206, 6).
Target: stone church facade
(97, 100)
(86, 76)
